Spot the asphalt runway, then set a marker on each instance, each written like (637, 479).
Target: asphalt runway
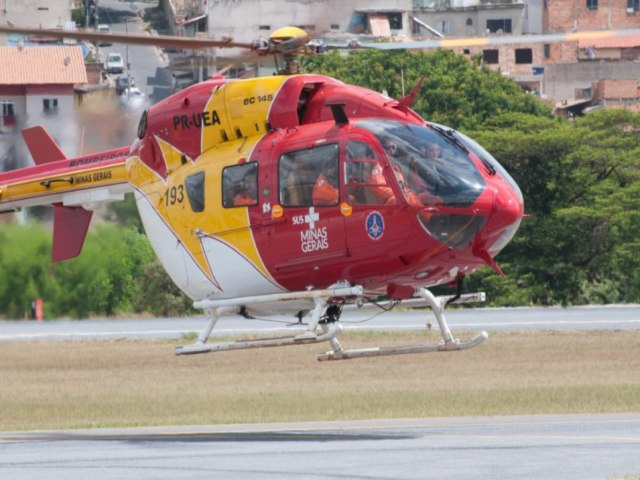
(602, 447)
(616, 317)
(568, 447)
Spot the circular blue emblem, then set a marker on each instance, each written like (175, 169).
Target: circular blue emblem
(375, 225)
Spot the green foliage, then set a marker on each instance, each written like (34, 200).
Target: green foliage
(159, 294)
(582, 194)
(126, 212)
(78, 15)
(110, 276)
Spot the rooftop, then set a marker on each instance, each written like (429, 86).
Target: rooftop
(45, 65)
(629, 41)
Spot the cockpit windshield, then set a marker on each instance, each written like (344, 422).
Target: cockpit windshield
(435, 167)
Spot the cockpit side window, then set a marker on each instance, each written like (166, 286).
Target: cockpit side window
(309, 177)
(240, 185)
(364, 177)
(195, 191)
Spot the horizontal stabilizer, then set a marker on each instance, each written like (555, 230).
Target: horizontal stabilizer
(70, 226)
(41, 145)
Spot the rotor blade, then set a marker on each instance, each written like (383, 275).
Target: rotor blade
(502, 40)
(130, 38)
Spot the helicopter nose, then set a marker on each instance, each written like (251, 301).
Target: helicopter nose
(505, 218)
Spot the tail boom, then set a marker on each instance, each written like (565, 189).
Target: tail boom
(72, 185)
(71, 182)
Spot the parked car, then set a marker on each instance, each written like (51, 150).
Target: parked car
(104, 28)
(122, 83)
(115, 63)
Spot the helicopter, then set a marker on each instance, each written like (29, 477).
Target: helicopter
(294, 194)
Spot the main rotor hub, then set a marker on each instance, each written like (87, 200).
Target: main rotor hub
(287, 33)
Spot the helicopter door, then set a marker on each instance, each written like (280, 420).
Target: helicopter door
(376, 227)
(312, 233)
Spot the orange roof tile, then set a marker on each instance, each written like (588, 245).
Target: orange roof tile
(629, 41)
(56, 64)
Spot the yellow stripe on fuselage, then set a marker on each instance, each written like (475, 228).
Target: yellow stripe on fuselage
(170, 199)
(242, 106)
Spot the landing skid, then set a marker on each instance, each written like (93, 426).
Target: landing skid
(421, 348)
(448, 343)
(317, 332)
(329, 333)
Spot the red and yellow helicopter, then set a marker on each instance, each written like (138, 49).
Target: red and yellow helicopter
(295, 194)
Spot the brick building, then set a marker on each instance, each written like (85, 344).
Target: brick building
(572, 15)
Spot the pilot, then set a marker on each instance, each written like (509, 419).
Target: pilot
(432, 151)
(382, 191)
(325, 191)
(389, 147)
(248, 192)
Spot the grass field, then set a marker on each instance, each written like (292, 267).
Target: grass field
(77, 384)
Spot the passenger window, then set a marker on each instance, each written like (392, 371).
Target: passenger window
(195, 191)
(364, 177)
(240, 185)
(309, 177)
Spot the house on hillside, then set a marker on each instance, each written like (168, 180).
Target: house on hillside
(36, 84)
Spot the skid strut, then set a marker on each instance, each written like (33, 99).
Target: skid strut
(447, 344)
(314, 333)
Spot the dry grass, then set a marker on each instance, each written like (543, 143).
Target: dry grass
(53, 385)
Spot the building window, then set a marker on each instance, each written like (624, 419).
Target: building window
(50, 105)
(547, 50)
(395, 20)
(8, 109)
(524, 55)
(469, 22)
(633, 5)
(445, 27)
(8, 117)
(592, 4)
(490, 56)
(240, 185)
(264, 27)
(502, 25)
(335, 26)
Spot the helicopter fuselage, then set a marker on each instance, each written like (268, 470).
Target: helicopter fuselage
(226, 175)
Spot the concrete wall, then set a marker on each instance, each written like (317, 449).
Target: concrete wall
(561, 80)
(32, 13)
(242, 19)
(532, 17)
(472, 21)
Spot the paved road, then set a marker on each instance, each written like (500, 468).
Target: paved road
(568, 447)
(489, 319)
